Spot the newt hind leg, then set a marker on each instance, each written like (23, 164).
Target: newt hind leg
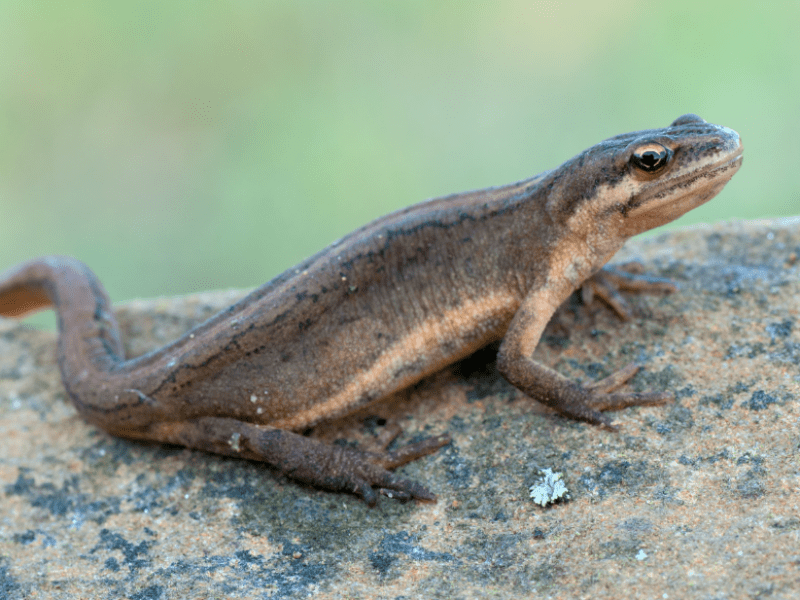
(304, 459)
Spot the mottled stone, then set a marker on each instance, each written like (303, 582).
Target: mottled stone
(694, 499)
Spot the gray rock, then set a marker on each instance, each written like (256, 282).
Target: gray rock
(694, 499)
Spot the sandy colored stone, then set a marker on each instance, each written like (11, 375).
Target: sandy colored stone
(698, 499)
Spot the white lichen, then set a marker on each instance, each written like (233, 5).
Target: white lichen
(549, 488)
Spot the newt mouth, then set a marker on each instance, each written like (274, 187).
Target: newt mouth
(698, 181)
(722, 172)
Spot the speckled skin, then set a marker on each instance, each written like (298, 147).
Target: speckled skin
(380, 309)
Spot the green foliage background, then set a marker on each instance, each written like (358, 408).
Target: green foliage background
(182, 146)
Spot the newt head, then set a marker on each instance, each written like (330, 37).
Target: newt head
(637, 181)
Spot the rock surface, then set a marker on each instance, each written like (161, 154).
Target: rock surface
(697, 499)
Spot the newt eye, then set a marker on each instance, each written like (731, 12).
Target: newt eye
(651, 157)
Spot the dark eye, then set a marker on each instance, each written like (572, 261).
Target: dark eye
(651, 157)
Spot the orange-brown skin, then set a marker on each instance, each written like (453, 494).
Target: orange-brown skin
(380, 309)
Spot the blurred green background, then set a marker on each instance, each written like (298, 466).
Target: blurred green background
(184, 146)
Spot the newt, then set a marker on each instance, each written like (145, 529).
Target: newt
(381, 308)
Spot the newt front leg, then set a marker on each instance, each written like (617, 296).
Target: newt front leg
(515, 363)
